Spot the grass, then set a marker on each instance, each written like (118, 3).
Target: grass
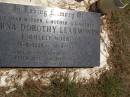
(119, 50)
(125, 1)
(61, 86)
(112, 86)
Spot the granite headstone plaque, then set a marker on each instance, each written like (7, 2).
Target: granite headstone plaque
(32, 36)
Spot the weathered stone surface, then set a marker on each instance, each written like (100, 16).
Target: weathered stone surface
(49, 39)
(10, 76)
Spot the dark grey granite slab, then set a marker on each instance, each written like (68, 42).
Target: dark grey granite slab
(32, 36)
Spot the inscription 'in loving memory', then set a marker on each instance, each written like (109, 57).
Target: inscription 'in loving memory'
(48, 37)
